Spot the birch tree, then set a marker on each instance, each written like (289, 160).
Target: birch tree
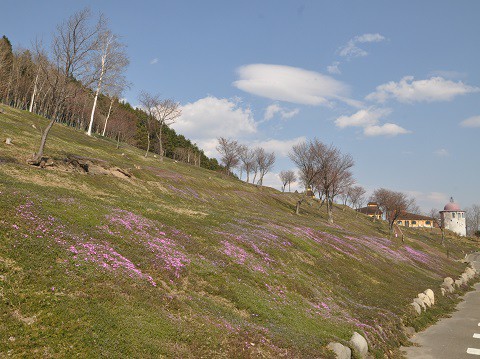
(110, 61)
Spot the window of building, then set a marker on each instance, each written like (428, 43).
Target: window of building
(427, 223)
(399, 222)
(414, 222)
(453, 214)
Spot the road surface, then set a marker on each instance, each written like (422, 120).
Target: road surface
(457, 337)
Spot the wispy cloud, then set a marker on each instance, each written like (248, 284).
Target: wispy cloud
(408, 90)
(334, 68)
(448, 74)
(442, 152)
(351, 50)
(291, 84)
(275, 109)
(153, 61)
(471, 122)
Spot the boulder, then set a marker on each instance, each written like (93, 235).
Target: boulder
(458, 283)
(340, 350)
(359, 345)
(465, 277)
(8, 141)
(448, 281)
(470, 272)
(417, 308)
(420, 303)
(430, 295)
(409, 331)
(443, 290)
(448, 287)
(425, 299)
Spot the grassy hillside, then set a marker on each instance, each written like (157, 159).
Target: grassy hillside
(178, 261)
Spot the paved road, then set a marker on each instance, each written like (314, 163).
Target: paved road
(457, 337)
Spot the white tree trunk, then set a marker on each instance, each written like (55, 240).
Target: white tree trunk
(33, 94)
(99, 86)
(89, 132)
(108, 115)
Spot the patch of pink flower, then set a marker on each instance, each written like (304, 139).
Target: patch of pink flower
(146, 232)
(84, 250)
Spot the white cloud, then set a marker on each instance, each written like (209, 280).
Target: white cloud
(280, 147)
(369, 119)
(275, 108)
(290, 84)
(351, 50)
(408, 90)
(212, 117)
(153, 61)
(334, 69)
(442, 152)
(471, 122)
(363, 118)
(387, 129)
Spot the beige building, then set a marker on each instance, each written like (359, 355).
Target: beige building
(415, 220)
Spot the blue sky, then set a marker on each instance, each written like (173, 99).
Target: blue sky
(396, 84)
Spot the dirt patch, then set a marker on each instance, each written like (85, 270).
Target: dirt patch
(7, 159)
(86, 165)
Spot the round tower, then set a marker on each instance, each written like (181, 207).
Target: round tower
(453, 218)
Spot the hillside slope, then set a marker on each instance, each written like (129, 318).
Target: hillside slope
(140, 258)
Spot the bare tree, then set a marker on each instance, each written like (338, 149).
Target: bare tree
(333, 173)
(72, 45)
(437, 218)
(342, 187)
(473, 219)
(357, 197)
(393, 204)
(304, 155)
(287, 177)
(109, 63)
(247, 159)
(264, 163)
(323, 168)
(228, 150)
(160, 113)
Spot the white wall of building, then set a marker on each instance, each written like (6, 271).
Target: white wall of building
(454, 221)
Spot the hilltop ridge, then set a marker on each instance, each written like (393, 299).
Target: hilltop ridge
(140, 258)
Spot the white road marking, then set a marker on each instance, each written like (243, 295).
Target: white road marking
(473, 351)
(476, 335)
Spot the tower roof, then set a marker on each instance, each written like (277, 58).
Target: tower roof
(451, 206)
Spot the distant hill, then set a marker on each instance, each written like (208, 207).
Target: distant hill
(106, 253)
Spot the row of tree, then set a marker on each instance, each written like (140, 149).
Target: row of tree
(324, 169)
(255, 162)
(78, 80)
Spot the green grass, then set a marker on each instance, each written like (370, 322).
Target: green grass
(179, 261)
